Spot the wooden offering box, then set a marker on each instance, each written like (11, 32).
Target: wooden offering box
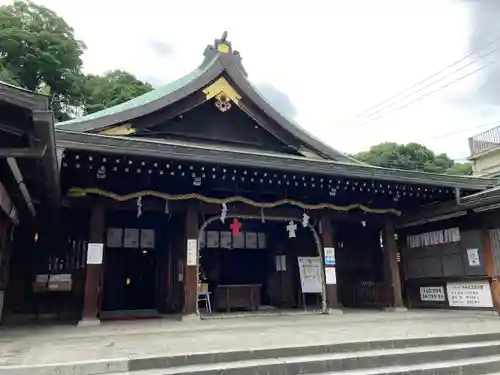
(244, 297)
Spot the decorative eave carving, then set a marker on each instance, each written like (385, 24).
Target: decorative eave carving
(223, 93)
(124, 129)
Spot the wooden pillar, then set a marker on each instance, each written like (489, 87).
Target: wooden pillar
(191, 261)
(491, 269)
(93, 276)
(391, 269)
(332, 301)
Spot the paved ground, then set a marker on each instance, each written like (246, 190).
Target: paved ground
(60, 344)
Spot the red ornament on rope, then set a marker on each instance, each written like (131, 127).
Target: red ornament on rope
(236, 227)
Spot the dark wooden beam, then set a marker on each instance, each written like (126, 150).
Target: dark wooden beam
(182, 106)
(36, 153)
(191, 270)
(332, 299)
(11, 130)
(23, 98)
(276, 131)
(93, 277)
(392, 278)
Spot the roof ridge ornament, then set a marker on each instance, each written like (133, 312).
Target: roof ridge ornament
(223, 45)
(222, 49)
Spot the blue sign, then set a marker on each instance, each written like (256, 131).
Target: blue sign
(330, 256)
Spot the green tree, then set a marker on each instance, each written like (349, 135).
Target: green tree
(412, 156)
(114, 87)
(7, 76)
(38, 49)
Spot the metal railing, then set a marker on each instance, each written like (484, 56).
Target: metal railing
(484, 141)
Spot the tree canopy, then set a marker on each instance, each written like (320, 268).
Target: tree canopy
(7, 76)
(412, 156)
(38, 49)
(115, 87)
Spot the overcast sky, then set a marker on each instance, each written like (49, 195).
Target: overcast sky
(329, 59)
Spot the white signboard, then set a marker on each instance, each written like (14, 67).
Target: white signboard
(192, 259)
(469, 294)
(251, 240)
(114, 237)
(94, 253)
(432, 293)
(473, 256)
(329, 256)
(310, 270)
(147, 239)
(331, 275)
(131, 238)
(212, 239)
(226, 240)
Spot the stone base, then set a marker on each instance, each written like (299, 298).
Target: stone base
(396, 309)
(191, 318)
(86, 322)
(335, 312)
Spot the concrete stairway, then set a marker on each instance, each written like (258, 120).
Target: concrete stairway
(477, 354)
(445, 355)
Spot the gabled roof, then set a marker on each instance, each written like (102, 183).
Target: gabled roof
(485, 200)
(220, 60)
(24, 98)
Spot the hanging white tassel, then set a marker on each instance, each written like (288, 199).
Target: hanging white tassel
(262, 218)
(139, 206)
(167, 209)
(223, 213)
(305, 219)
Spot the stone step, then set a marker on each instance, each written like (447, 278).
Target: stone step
(289, 360)
(474, 366)
(480, 358)
(145, 363)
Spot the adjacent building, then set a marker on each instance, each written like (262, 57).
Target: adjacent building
(485, 153)
(29, 185)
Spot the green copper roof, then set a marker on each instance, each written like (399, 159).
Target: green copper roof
(149, 97)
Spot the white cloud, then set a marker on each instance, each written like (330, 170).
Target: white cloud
(333, 58)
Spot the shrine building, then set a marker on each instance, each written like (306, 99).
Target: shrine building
(200, 197)
(29, 185)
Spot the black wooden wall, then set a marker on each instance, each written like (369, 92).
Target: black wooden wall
(445, 260)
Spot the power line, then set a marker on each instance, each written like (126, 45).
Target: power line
(458, 131)
(411, 93)
(426, 95)
(363, 113)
